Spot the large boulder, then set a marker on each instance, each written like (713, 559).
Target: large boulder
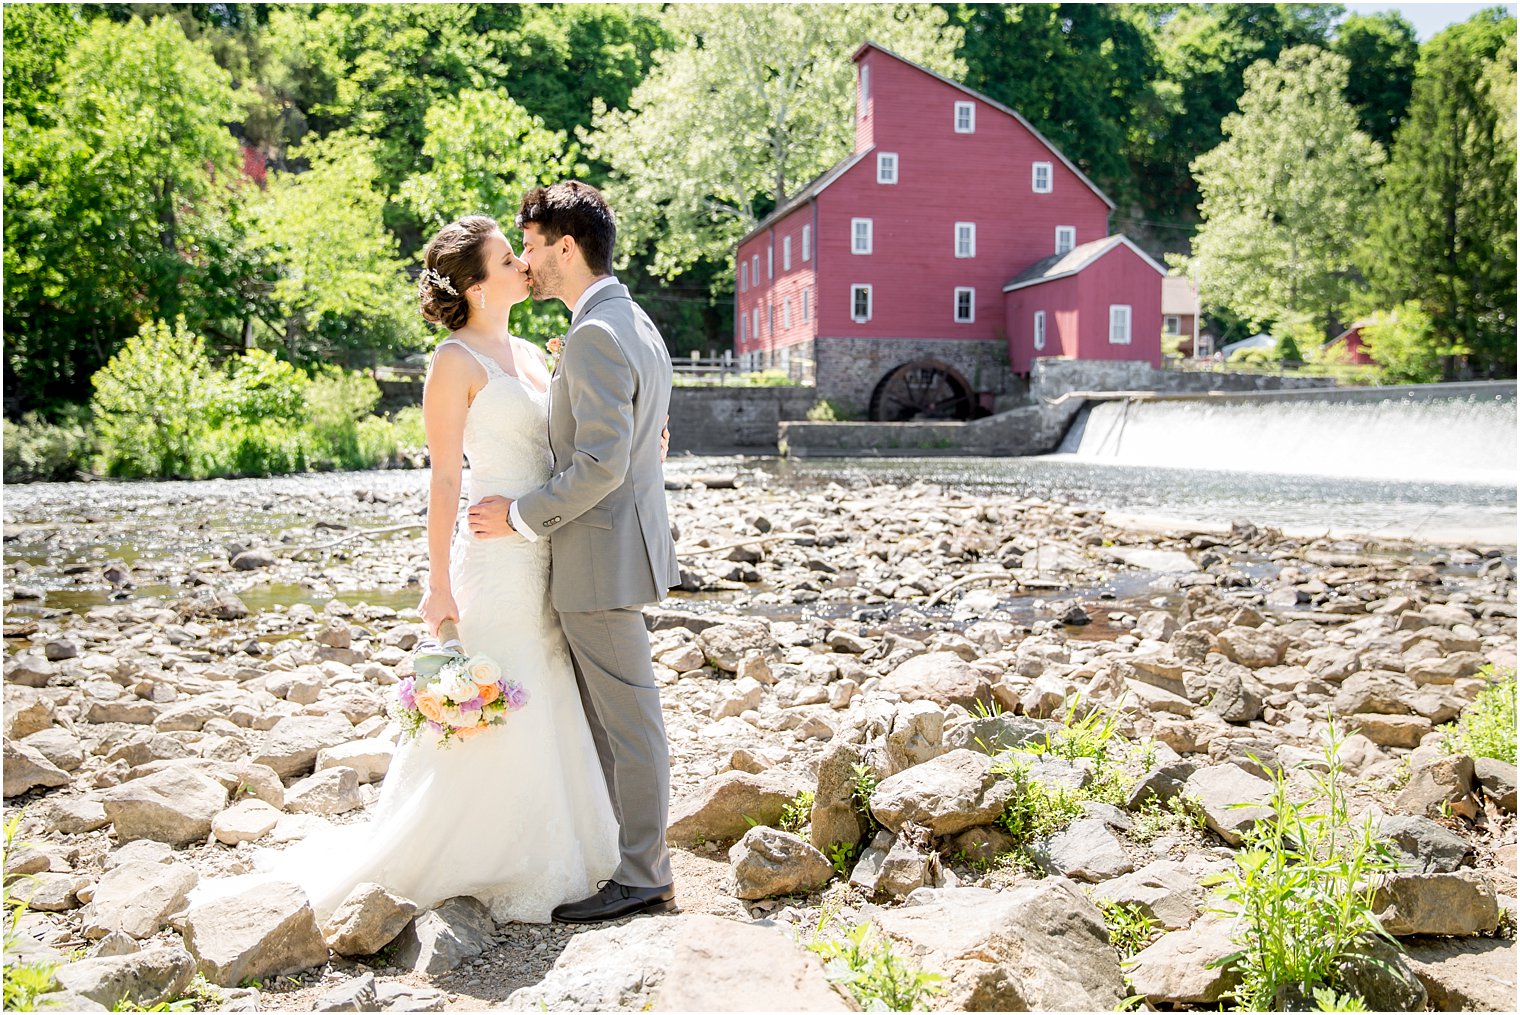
(330, 791)
(728, 805)
(726, 645)
(367, 920)
(1038, 947)
(950, 794)
(245, 821)
(1179, 968)
(1086, 850)
(175, 805)
(836, 816)
(1452, 905)
(292, 744)
(130, 982)
(768, 861)
(941, 677)
(27, 769)
(1446, 783)
(442, 938)
(26, 712)
(136, 898)
(1166, 891)
(1219, 789)
(269, 930)
(1422, 845)
(1465, 974)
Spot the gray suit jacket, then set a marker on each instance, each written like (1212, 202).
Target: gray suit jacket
(605, 505)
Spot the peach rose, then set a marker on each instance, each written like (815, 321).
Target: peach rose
(430, 705)
(470, 731)
(488, 693)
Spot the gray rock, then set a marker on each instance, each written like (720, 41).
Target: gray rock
(1178, 968)
(836, 816)
(1163, 782)
(717, 811)
(979, 845)
(245, 821)
(1498, 781)
(1253, 646)
(331, 791)
(26, 769)
(1379, 976)
(1424, 846)
(440, 939)
(1037, 947)
(1238, 699)
(26, 712)
(993, 735)
(1166, 891)
(1464, 974)
(917, 734)
(58, 746)
(67, 1000)
(253, 559)
(367, 920)
(174, 806)
(141, 980)
(134, 711)
(1085, 850)
(1448, 780)
(50, 892)
(398, 997)
(950, 794)
(1219, 788)
(371, 758)
(768, 861)
(266, 931)
(357, 994)
(941, 677)
(1374, 692)
(716, 965)
(1452, 905)
(139, 851)
(726, 645)
(1157, 625)
(1444, 669)
(867, 871)
(291, 746)
(137, 898)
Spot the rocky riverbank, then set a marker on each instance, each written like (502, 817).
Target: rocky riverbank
(983, 725)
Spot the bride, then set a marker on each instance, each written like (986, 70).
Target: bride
(519, 815)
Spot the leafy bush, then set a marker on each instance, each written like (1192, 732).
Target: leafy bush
(862, 961)
(798, 811)
(1303, 886)
(154, 402)
(1254, 357)
(1486, 728)
(1404, 345)
(36, 449)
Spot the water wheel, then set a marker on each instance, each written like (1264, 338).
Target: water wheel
(922, 390)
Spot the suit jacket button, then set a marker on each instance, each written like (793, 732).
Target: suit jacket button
(552, 521)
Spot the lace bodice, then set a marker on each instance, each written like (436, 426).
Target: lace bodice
(506, 437)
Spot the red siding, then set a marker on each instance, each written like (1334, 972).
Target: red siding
(1077, 308)
(774, 292)
(1060, 301)
(943, 178)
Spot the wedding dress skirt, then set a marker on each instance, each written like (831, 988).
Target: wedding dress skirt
(517, 816)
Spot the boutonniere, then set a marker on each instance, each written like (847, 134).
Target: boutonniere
(553, 346)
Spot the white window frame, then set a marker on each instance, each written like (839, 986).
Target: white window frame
(1120, 312)
(754, 268)
(855, 236)
(786, 313)
(807, 243)
(864, 95)
(770, 261)
(770, 318)
(805, 293)
(886, 167)
(1171, 324)
(743, 276)
(969, 109)
(1039, 330)
(754, 323)
(1034, 177)
(970, 230)
(1070, 234)
(786, 253)
(956, 307)
(744, 328)
(857, 288)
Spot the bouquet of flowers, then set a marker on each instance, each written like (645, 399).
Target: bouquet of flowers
(454, 694)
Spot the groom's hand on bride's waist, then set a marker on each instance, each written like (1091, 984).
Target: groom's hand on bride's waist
(490, 518)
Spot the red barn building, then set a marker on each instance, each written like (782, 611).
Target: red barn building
(953, 247)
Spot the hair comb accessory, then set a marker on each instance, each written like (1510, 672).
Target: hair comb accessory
(438, 280)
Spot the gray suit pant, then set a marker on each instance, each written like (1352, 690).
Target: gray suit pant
(610, 649)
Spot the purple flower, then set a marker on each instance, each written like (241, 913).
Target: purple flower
(435, 727)
(474, 704)
(406, 692)
(516, 696)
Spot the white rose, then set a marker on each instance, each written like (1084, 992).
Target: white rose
(483, 670)
(457, 686)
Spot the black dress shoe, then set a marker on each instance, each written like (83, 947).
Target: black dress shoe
(614, 901)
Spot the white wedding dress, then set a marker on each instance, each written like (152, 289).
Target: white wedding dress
(518, 816)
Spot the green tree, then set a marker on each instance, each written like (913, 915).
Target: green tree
(1444, 228)
(119, 204)
(1382, 50)
(1205, 50)
(1284, 197)
(757, 100)
(1081, 73)
(1402, 343)
(153, 402)
(339, 285)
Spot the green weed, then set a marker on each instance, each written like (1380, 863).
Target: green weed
(1303, 886)
(1326, 999)
(842, 855)
(1035, 810)
(1486, 728)
(1179, 815)
(1129, 929)
(863, 962)
(23, 981)
(797, 813)
(865, 785)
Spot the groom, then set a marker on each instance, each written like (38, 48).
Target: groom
(605, 507)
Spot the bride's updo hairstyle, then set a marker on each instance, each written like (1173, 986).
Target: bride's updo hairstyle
(455, 259)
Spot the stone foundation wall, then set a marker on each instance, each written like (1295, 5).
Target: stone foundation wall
(1033, 430)
(1052, 378)
(724, 420)
(848, 369)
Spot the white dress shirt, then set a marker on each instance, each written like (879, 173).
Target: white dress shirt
(512, 514)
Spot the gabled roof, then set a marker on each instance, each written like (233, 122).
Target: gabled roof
(807, 193)
(1074, 260)
(868, 44)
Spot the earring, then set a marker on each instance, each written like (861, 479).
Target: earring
(482, 304)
